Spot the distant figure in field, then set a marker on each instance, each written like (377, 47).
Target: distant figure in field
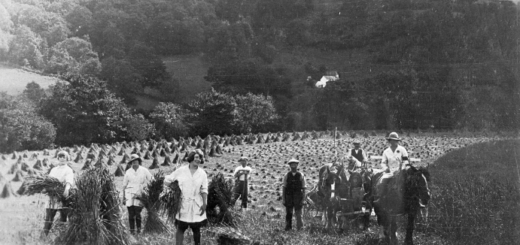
(136, 179)
(64, 174)
(293, 195)
(241, 175)
(358, 153)
(395, 157)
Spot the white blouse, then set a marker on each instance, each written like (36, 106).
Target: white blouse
(393, 160)
(134, 183)
(65, 175)
(192, 186)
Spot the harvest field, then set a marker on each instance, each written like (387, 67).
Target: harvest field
(475, 187)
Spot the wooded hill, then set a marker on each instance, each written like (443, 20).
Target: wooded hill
(402, 63)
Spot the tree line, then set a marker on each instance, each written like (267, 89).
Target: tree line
(443, 64)
(83, 111)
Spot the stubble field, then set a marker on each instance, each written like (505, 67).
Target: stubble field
(453, 185)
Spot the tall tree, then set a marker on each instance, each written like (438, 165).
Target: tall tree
(34, 93)
(21, 127)
(6, 27)
(212, 113)
(169, 120)
(85, 111)
(26, 48)
(254, 112)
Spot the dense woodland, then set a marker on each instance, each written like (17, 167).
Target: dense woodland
(450, 65)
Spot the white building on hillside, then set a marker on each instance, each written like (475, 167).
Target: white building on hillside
(328, 77)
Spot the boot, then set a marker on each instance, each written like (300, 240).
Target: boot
(138, 225)
(132, 226)
(47, 227)
(49, 217)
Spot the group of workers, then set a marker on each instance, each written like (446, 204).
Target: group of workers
(193, 182)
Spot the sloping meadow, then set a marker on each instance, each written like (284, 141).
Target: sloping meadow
(476, 194)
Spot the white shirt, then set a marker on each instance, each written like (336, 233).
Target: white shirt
(134, 182)
(393, 160)
(192, 187)
(65, 175)
(246, 171)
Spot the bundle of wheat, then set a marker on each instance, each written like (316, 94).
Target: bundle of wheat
(38, 165)
(150, 198)
(87, 165)
(111, 160)
(15, 167)
(120, 171)
(18, 176)
(155, 164)
(95, 213)
(79, 158)
(121, 151)
(171, 201)
(24, 166)
(167, 161)
(125, 158)
(220, 195)
(46, 185)
(7, 191)
(23, 188)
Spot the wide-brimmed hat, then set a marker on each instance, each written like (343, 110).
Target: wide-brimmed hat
(135, 157)
(243, 158)
(356, 142)
(393, 136)
(293, 160)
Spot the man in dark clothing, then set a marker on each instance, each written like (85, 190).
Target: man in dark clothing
(358, 153)
(293, 195)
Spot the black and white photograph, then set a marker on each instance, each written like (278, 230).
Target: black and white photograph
(259, 122)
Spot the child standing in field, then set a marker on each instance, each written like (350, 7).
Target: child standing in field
(293, 195)
(241, 175)
(136, 179)
(64, 174)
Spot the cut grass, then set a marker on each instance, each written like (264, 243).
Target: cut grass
(13, 80)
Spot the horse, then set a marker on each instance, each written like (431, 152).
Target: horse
(359, 195)
(331, 188)
(405, 193)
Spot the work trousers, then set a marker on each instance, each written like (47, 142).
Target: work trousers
(134, 217)
(49, 218)
(297, 210)
(241, 191)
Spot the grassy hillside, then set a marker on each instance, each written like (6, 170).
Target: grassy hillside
(477, 194)
(13, 80)
(189, 70)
